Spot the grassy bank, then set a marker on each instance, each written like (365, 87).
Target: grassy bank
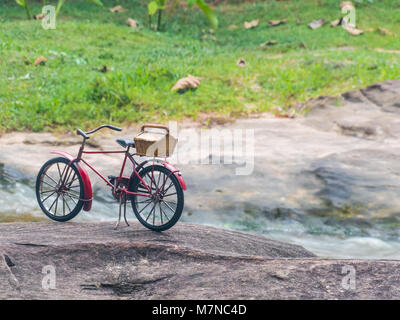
(70, 91)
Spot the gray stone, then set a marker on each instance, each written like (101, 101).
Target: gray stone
(93, 261)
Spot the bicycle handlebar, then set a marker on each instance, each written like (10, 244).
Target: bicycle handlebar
(81, 133)
(109, 126)
(85, 134)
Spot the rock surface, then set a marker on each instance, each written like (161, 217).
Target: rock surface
(93, 261)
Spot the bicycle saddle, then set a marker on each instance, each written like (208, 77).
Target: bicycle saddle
(126, 142)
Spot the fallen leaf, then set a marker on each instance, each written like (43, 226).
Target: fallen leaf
(346, 4)
(132, 23)
(39, 16)
(337, 22)
(274, 23)
(117, 9)
(232, 27)
(268, 43)
(241, 63)
(40, 61)
(315, 24)
(354, 31)
(251, 24)
(190, 82)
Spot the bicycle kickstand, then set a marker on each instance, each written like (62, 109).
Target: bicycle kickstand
(126, 221)
(122, 201)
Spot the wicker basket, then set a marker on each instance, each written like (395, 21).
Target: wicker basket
(155, 144)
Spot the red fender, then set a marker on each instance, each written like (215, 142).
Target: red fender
(87, 185)
(177, 174)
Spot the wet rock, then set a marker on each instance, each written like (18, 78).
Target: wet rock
(93, 261)
(356, 184)
(9, 176)
(366, 131)
(385, 95)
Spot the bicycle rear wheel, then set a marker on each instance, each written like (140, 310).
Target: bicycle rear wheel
(163, 205)
(59, 189)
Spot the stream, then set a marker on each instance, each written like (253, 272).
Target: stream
(323, 236)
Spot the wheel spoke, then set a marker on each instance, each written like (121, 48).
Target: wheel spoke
(49, 184)
(67, 175)
(66, 202)
(159, 204)
(51, 179)
(71, 198)
(168, 195)
(55, 212)
(62, 174)
(150, 212)
(154, 213)
(53, 203)
(164, 213)
(63, 200)
(171, 202)
(158, 182)
(49, 196)
(144, 201)
(71, 195)
(47, 191)
(168, 206)
(166, 190)
(144, 207)
(59, 171)
(151, 183)
(72, 181)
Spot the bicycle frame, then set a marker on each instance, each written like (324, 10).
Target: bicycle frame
(88, 194)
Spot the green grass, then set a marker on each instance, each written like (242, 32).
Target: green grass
(70, 92)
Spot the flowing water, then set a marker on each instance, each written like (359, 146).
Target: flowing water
(324, 237)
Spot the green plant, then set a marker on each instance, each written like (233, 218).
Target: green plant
(25, 4)
(60, 3)
(157, 6)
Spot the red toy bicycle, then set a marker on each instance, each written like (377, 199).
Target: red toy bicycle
(155, 191)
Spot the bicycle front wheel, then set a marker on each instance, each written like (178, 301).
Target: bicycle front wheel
(160, 207)
(59, 190)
